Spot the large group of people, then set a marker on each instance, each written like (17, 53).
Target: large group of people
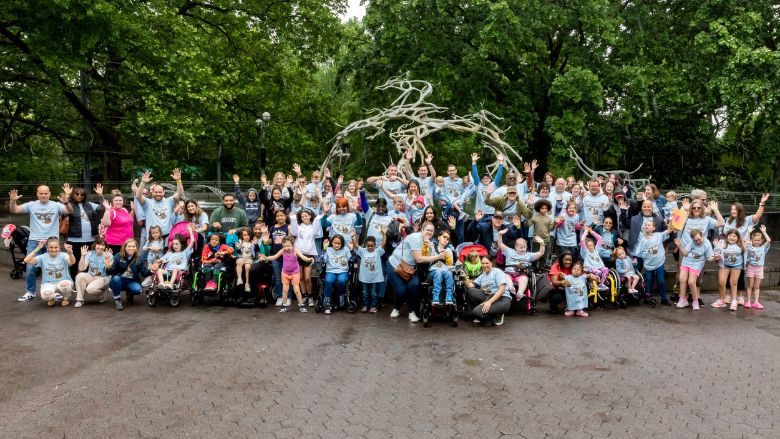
(572, 230)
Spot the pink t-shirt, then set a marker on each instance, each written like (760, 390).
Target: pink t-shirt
(290, 263)
(121, 228)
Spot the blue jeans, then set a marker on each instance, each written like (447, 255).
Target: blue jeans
(340, 279)
(119, 283)
(445, 277)
(370, 294)
(382, 287)
(657, 275)
(30, 273)
(404, 291)
(277, 264)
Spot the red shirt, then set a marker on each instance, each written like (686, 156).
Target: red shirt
(555, 269)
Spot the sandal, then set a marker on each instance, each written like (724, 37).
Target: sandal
(757, 305)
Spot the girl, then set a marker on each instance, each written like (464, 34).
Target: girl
(576, 291)
(56, 282)
(472, 267)
(519, 260)
(732, 259)
(176, 260)
(279, 200)
(609, 240)
(246, 251)
(567, 225)
(212, 259)
(625, 269)
(155, 245)
(92, 279)
(371, 274)
(590, 251)
(352, 194)
(344, 222)
(278, 231)
(694, 256)
(251, 203)
(306, 228)
(127, 271)
(291, 271)
(754, 264)
(336, 269)
(415, 210)
(650, 247)
(440, 273)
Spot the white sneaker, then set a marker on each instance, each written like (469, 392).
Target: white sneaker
(413, 317)
(683, 303)
(31, 296)
(247, 288)
(695, 305)
(499, 320)
(240, 282)
(395, 314)
(279, 301)
(288, 302)
(312, 301)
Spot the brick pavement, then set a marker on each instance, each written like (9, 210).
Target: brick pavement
(214, 372)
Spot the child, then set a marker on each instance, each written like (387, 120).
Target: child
(336, 269)
(472, 267)
(291, 271)
(371, 274)
(542, 223)
(671, 204)
(754, 264)
(439, 271)
(567, 225)
(93, 279)
(590, 251)
(306, 229)
(176, 260)
(55, 276)
(278, 231)
(576, 291)
(246, 256)
(625, 269)
(731, 262)
(609, 240)
(440, 193)
(650, 247)
(694, 255)
(212, 258)
(154, 248)
(519, 260)
(416, 209)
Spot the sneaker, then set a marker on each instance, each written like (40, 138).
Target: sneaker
(741, 301)
(118, 303)
(718, 304)
(395, 314)
(283, 309)
(728, 299)
(747, 305)
(734, 305)
(581, 313)
(477, 321)
(28, 296)
(413, 317)
(288, 302)
(449, 302)
(58, 297)
(499, 320)
(312, 301)
(757, 305)
(364, 309)
(78, 304)
(279, 301)
(568, 313)
(602, 287)
(372, 310)
(51, 302)
(302, 308)
(211, 285)
(327, 310)
(247, 288)
(683, 303)
(240, 282)
(695, 305)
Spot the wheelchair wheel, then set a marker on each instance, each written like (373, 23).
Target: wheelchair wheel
(319, 306)
(454, 315)
(151, 299)
(175, 299)
(16, 274)
(351, 306)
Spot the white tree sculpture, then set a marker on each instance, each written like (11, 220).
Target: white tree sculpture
(422, 119)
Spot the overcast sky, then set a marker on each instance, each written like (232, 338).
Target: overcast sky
(354, 10)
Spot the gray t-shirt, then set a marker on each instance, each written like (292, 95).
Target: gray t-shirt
(44, 219)
(159, 213)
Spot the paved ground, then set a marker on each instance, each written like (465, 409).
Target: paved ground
(215, 373)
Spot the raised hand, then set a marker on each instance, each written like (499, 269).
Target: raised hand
(678, 242)
(474, 157)
(67, 189)
(134, 185)
(452, 222)
(341, 179)
(526, 167)
(84, 249)
(534, 164)
(623, 203)
(686, 204)
(500, 158)
(106, 204)
(503, 231)
(264, 181)
(68, 247)
(326, 173)
(479, 214)
(763, 228)
(713, 205)
(289, 180)
(409, 154)
(13, 195)
(146, 177)
(429, 159)
(516, 221)
(176, 174)
(99, 189)
(236, 178)
(764, 198)
(297, 168)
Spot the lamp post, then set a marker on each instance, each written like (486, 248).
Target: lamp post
(262, 123)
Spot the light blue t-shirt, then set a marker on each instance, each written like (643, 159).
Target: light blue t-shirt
(413, 242)
(155, 252)
(651, 249)
(516, 261)
(566, 235)
(705, 224)
(343, 225)
(591, 260)
(177, 260)
(441, 265)
(426, 186)
(394, 187)
(697, 255)
(44, 219)
(755, 256)
(370, 266)
(53, 270)
(743, 231)
(624, 266)
(453, 188)
(375, 223)
(97, 264)
(337, 261)
(491, 281)
(732, 256)
(159, 213)
(668, 208)
(593, 208)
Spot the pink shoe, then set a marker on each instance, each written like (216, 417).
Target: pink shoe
(747, 305)
(719, 304)
(581, 313)
(568, 313)
(756, 305)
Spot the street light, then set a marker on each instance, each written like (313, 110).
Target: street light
(262, 124)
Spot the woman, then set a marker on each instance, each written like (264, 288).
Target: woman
(127, 272)
(192, 213)
(560, 268)
(306, 228)
(488, 294)
(429, 216)
(118, 223)
(83, 222)
(407, 255)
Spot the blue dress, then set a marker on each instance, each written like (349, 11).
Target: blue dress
(577, 292)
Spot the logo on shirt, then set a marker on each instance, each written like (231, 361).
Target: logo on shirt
(54, 271)
(160, 212)
(45, 217)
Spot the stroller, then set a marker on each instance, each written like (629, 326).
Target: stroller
(182, 282)
(16, 240)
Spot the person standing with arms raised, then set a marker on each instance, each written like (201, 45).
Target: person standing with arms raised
(158, 210)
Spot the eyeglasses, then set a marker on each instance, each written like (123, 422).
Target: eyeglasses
(78, 194)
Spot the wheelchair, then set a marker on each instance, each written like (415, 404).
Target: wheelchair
(430, 311)
(608, 296)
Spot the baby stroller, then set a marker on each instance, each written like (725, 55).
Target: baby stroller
(182, 283)
(16, 240)
(347, 301)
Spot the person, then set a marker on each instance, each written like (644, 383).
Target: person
(519, 260)
(558, 270)
(336, 257)
(93, 279)
(429, 215)
(488, 233)
(391, 184)
(138, 211)
(671, 204)
(567, 224)
(651, 249)
(453, 194)
(440, 271)
(250, 203)
(426, 174)
(56, 282)
(44, 224)
(414, 212)
(212, 259)
(636, 224)
(228, 218)
(609, 240)
(83, 222)
(594, 203)
(118, 223)
(590, 252)
(127, 271)
(344, 222)
(487, 295)
(278, 231)
(542, 225)
(625, 269)
(511, 205)
(657, 201)
(279, 200)
(472, 266)
(484, 184)
(406, 256)
(694, 255)
(291, 271)
(740, 220)
(755, 255)
(176, 261)
(371, 274)
(577, 290)
(158, 210)
(155, 245)
(731, 262)
(192, 213)
(246, 257)
(306, 228)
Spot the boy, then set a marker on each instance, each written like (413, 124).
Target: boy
(542, 224)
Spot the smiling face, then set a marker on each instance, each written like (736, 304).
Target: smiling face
(279, 179)
(158, 192)
(732, 237)
(429, 214)
(567, 261)
(594, 188)
(192, 208)
(117, 202)
(228, 201)
(131, 248)
(422, 171)
(428, 231)
(43, 193)
(757, 239)
(560, 185)
(452, 171)
(487, 265)
(521, 246)
(647, 208)
(53, 248)
(280, 217)
(607, 223)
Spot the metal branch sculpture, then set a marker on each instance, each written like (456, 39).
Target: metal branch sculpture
(625, 176)
(422, 119)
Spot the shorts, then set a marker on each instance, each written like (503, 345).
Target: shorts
(303, 263)
(287, 279)
(516, 276)
(690, 270)
(755, 271)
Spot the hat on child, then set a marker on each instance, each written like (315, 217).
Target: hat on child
(419, 199)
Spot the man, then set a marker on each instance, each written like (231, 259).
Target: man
(393, 184)
(484, 185)
(593, 204)
(44, 224)
(140, 216)
(158, 210)
(511, 180)
(425, 173)
(228, 218)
